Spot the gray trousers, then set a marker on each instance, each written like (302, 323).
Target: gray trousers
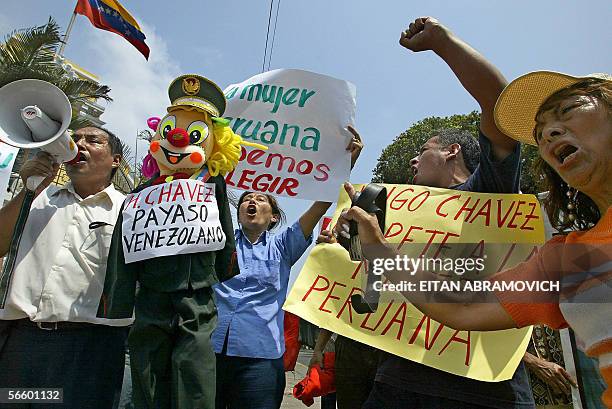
(171, 356)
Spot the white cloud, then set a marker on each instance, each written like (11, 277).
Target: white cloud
(139, 88)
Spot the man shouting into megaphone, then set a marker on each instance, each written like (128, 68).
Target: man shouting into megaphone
(50, 336)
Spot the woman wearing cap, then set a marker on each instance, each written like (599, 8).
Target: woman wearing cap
(570, 120)
(248, 340)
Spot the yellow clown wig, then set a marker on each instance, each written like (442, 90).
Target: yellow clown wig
(228, 146)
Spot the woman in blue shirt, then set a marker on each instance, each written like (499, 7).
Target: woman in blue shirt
(248, 341)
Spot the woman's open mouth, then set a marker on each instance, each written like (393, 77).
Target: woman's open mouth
(565, 153)
(172, 157)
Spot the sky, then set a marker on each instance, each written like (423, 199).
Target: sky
(353, 40)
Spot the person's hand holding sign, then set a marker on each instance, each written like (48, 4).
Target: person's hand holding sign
(355, 146)
(370, 235)
(325, 236)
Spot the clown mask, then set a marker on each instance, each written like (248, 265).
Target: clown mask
(183, 141)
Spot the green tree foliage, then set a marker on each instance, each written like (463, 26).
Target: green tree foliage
(529, 180)
(393, 165)
(31, 53)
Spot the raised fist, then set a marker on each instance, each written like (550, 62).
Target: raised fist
(425, 33)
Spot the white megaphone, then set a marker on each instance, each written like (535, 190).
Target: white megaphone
(36, 114)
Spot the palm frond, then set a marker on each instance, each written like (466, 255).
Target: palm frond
(75, 88)
(128, 156)
(78, 89)
(14, 73)
(32, 47)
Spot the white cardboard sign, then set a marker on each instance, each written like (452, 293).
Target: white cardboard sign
(301, 117)
(179, 217)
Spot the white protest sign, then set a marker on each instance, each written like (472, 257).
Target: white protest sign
(8, 154)
(302, 118)
(179, 217)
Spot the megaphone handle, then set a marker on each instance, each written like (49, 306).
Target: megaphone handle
(11, 256)
(33, 182)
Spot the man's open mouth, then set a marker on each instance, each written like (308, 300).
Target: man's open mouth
(172, 157)
(251, 210)
(564, 151)
(80, 159)
(415, 172)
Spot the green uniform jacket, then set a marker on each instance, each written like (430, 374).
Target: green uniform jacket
(170, 273)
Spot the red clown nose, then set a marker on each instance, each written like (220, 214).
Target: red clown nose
(178, 137)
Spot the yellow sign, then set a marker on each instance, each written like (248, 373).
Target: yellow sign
(418, 220)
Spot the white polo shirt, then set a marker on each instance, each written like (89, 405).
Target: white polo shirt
(61, 263)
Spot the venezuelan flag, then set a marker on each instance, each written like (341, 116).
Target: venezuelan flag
(110, 15)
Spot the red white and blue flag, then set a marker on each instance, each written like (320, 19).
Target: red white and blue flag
(110, 15)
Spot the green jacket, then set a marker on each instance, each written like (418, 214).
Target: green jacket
(170, 273)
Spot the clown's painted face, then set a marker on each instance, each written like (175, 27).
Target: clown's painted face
(183, 141)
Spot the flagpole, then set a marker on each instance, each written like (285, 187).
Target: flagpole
(60, 53)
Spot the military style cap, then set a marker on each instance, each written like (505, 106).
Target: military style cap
(198, 92)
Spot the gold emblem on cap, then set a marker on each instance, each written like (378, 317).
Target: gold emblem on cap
(191, 85)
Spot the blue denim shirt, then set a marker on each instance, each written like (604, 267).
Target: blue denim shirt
(249, 304)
